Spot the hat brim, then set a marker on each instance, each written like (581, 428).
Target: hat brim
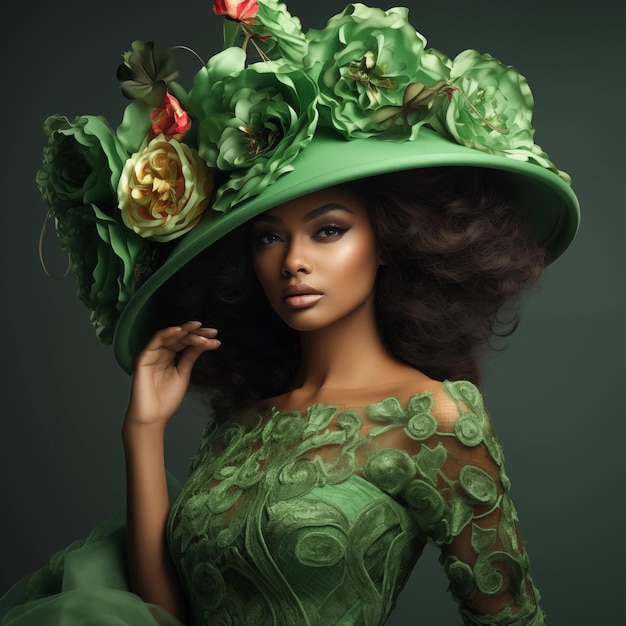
(551, 205)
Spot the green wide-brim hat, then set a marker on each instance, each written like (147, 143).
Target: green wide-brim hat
(329, 160)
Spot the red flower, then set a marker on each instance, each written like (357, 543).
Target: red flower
(241, 11)
(170, 119)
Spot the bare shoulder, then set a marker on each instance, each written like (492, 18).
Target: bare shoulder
(415, 382)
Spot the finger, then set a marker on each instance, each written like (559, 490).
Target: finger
(178, 344)
(191, 354)
(163, 347)
(206, 332)
(175, 345)
(192, 336)
(191, 325)
(168, 336)
(167, 342)
(164, 336)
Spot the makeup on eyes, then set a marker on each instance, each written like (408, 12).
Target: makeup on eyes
(331, 217)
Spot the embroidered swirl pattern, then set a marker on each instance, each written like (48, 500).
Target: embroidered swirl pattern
(318, 517)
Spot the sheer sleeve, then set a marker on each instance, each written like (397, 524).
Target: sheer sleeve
(459, 498)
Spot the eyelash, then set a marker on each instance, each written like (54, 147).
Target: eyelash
(268, 238)
(339, 231)
(259, 239)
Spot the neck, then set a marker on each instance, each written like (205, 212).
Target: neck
(348, 354)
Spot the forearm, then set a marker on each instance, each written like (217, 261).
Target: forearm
(152, 574)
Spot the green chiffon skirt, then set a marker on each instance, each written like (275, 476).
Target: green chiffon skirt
(84, 584)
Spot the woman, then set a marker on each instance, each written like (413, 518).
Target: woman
(340, 444)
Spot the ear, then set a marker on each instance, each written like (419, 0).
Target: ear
(382, 257)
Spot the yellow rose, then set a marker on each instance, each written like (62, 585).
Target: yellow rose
(164, 189)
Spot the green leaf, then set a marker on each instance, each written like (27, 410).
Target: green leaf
(430, 461)
(482, 539)
(462, 513)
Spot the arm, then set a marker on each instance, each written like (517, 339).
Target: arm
(161, 377)
(461, 476)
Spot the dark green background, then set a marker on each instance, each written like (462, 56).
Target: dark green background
(555, 392)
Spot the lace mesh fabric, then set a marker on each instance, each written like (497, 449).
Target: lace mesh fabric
(318, 517)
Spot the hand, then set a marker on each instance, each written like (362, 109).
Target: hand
(162, 371)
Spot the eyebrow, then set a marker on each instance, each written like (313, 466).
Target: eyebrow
(311, 215)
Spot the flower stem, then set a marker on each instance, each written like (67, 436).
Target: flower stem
(192, 52)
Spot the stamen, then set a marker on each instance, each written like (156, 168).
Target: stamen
(475, 110)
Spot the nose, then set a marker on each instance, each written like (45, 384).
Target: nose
(296, 260)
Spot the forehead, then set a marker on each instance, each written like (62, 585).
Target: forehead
(331, 197)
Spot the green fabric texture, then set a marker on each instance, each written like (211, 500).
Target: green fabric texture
(318, 517)
(315, 518)
(84, 584)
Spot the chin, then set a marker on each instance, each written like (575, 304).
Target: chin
(302, 325)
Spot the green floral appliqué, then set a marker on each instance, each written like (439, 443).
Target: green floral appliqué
(317, 516)
(468, 429)
(478, 484)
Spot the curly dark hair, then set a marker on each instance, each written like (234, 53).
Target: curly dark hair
(458, 252)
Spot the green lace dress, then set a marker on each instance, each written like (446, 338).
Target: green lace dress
(318, 517)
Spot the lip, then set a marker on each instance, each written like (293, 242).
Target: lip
(301, 295)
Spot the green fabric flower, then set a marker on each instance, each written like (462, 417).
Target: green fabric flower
(491, 109)
(319, 417)
(252, 121)
(461, 577)
(488, 579)
(280, 33)
(389, 469)
(320, 549)
(285, 429)
(421, 426)
(419, 101)
(425, 502)
(82, 164)
(468, 429)
(295, 479)
(350, 423)
(419, 403)
(104, 255)
(478, 484)
(536, 155)
(467, 393)
(364, 59)
(164, 189)
(146, 72)
(209, 582)
(124, 262)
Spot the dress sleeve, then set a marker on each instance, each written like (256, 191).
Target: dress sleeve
(459, 498)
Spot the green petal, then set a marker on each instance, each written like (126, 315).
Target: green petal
(134, 127)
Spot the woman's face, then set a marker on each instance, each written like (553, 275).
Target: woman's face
(316, 258)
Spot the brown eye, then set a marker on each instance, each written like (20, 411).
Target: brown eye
(265, 238)
(330, 231)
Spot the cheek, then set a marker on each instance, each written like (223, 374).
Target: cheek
(359, 261)
(263, 268)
